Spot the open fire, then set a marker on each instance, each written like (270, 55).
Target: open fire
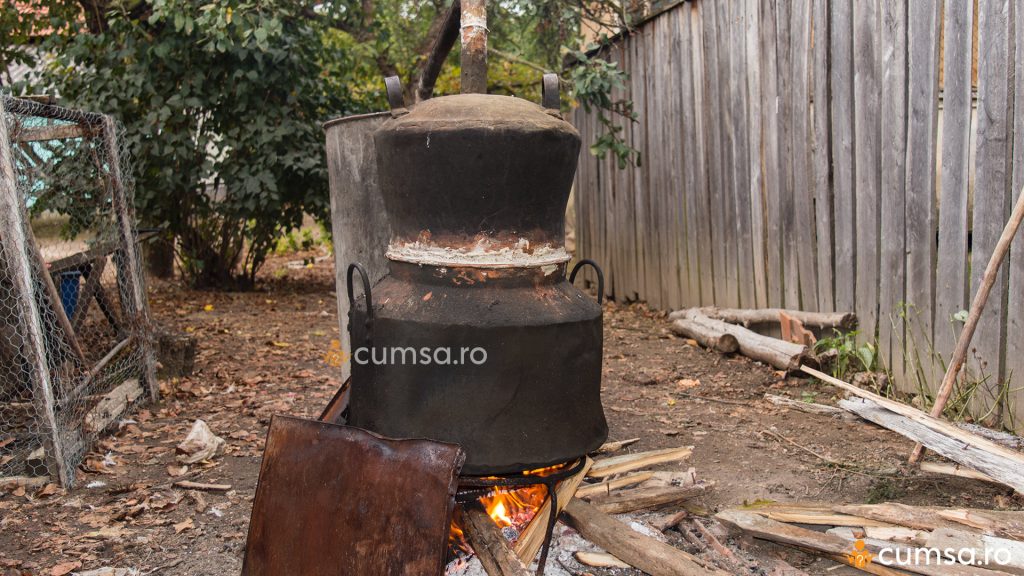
(511, 509)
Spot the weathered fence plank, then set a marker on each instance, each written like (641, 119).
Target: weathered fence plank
(713, 128)
(922, 108)
(675, 162)
(991, 190)
(741, 154)
(867, 159)
(803, 189)
(755, 127)
(821, 116)
(785, 193)
(892, 279)
(688, 157)
(843, 153)
(1015, 311)
(703, 214)
(772, 175)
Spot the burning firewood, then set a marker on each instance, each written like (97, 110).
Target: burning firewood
(490, 545)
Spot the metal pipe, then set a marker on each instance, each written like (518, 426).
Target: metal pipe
(474, 46)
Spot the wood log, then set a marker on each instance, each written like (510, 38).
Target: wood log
(607, 486)
(490, 546)
(629, 462)
(532, 538)
(648, 498)
(710, 336)
(809, 407)
(747, 317)
(829, 545)
(772, 351)
(474, 47)
(640, 551)
(973, 451)
(112, 405)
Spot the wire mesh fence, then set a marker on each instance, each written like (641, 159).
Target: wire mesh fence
(76, 343)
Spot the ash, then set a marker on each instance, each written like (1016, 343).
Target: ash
(564, 543)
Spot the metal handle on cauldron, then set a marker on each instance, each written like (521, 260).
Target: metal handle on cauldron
(366, 290)
(600, 276)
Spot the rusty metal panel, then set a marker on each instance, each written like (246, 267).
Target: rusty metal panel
(340, 500)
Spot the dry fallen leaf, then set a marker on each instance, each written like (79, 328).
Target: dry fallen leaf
(48, 490)
(64, 568)
(175, 471)
(687, 383)
(184, 525)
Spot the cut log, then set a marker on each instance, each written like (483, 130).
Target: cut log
(599, 560)
(640, 551)
(532, 538)
(830, 545)
(708, 334)
(629, 462)
(772, 351)
(960, 446)
(746, 317)
(490, 546)
(974, 452)
(947, 469)
(112, 405)
(809, 407)
(189, 485)
(648, 498)
(607, 487)
(609, 447)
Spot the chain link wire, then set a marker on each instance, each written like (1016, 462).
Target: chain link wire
(75, 338)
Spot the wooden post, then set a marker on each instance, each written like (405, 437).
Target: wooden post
(474, 46)
(963, 344)
(13, 227)
(133, 295)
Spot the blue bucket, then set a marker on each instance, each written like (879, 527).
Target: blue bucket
(70, 283)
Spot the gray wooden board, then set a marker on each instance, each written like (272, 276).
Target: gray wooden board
(691, 157)
(640, 188)
(655, 74)
(822, 155)
(702, 214)
(1015, 310)
(741, 154)
(713, 135)
(786, 193)
(674, 161)
(920, 209)
(867, 172)
(756, 175)
(843, 152)
(727, 127)
(892, 277)
(772, 176)
(991, 190)
(360, 229)
(803, 188)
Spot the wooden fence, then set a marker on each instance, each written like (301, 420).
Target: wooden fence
(823, 155)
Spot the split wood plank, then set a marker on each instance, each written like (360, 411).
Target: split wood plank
(1004, 523)
(640, 551)
(842, 98)
(1010, 552)
(599, 560)
(808, 407)
(748, 316)
(924, 28)
(867, 156)
(947, 469)
(629, 462)
(589, 490)
(648, 498)
(531, 540)
(951, 269)
(112, 405)
(892, 276)
(490, 545)
(822, 154)
(975, 452)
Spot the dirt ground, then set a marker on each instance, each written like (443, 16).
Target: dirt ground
(263, 353)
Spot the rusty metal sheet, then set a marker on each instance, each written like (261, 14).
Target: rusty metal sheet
(339, 500)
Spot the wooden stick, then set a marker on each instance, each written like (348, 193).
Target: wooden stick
(490, 546)
(947, 469)
(746, 317)
(963, 343)
(808, 407)
(647, 498)
(608, 486)
(629, 462)
(609, 447)
(53, 132)
(640, 551)
(189, 485)
(532, 538)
